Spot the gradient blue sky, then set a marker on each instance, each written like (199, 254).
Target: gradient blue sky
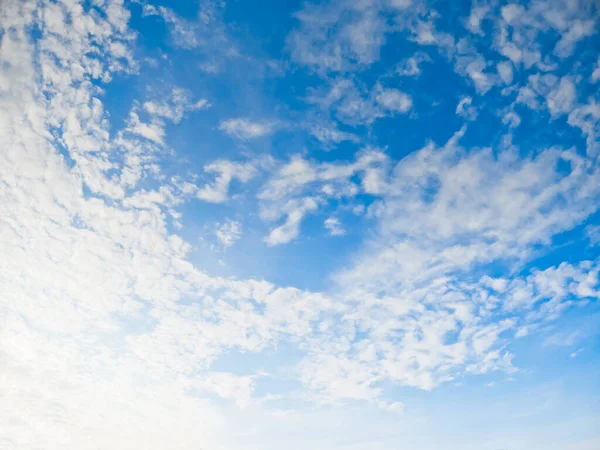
(243, 224)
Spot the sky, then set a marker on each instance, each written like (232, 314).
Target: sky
(347, 224)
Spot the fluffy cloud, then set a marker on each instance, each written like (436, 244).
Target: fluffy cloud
(285, 194)
(229, 232)
(410, 66)
(294, 210)
(355, 106)
(104, 318)
(335, 37)
(334, 226)
(596, 73)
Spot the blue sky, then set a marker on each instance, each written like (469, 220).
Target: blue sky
(367, 224)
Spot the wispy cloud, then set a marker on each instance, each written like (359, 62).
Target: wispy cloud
(246, 129)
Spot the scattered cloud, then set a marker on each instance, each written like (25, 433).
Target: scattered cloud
(176, 106)
(229, 232)
(410, 67)
(465, 109)
(593, 234)
(226, 172)
(355, 106)
(294, 210)
(106, 315)
(595, 76)
(334, 226)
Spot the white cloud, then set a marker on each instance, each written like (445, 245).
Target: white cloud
(424, 32)
(245, 129)
(394, 100)
(290, 177)
(356, 106)
(153, 131)
(471, 64)
(334, 226)
(105, 322)
(337, 36)
(465, 109)
(294, 177)
(410, 66)
(331, 135)
(505, 70)
(293, 187)
(593, 234)
(294, 210)
(562, 99)
(562, 339)
(558, 94)
(434, 227)
(175, 108)
(575, 353)
(229, 232)
(478, 13)
(229, 386)
(511, 119)
(227, 171)
(573, 32)
(595, 76)
(520, 26)
(587, 118)
(182, 31)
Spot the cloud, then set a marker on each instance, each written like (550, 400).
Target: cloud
(344, 36)
(472, 65)
(465, 109)
(105, 319)
(562, 340)
(505, 70)
(394, 100)
(175, 108)
(336, 36)
(410, 66)
(299, 186)
(295, 210)
(423, 31)
(229, 386)
(557, 94)
(331, 135)
(562, 99)
(355, 106)
(226, 171)
(595, 76)
(206, 32)
(153, 131)
(593, 234)
(524, 23)
(245, 129)
(451, 211)
(586, 118)
(478, 13)
(229, 232)
(334, 226)
(182, 31)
